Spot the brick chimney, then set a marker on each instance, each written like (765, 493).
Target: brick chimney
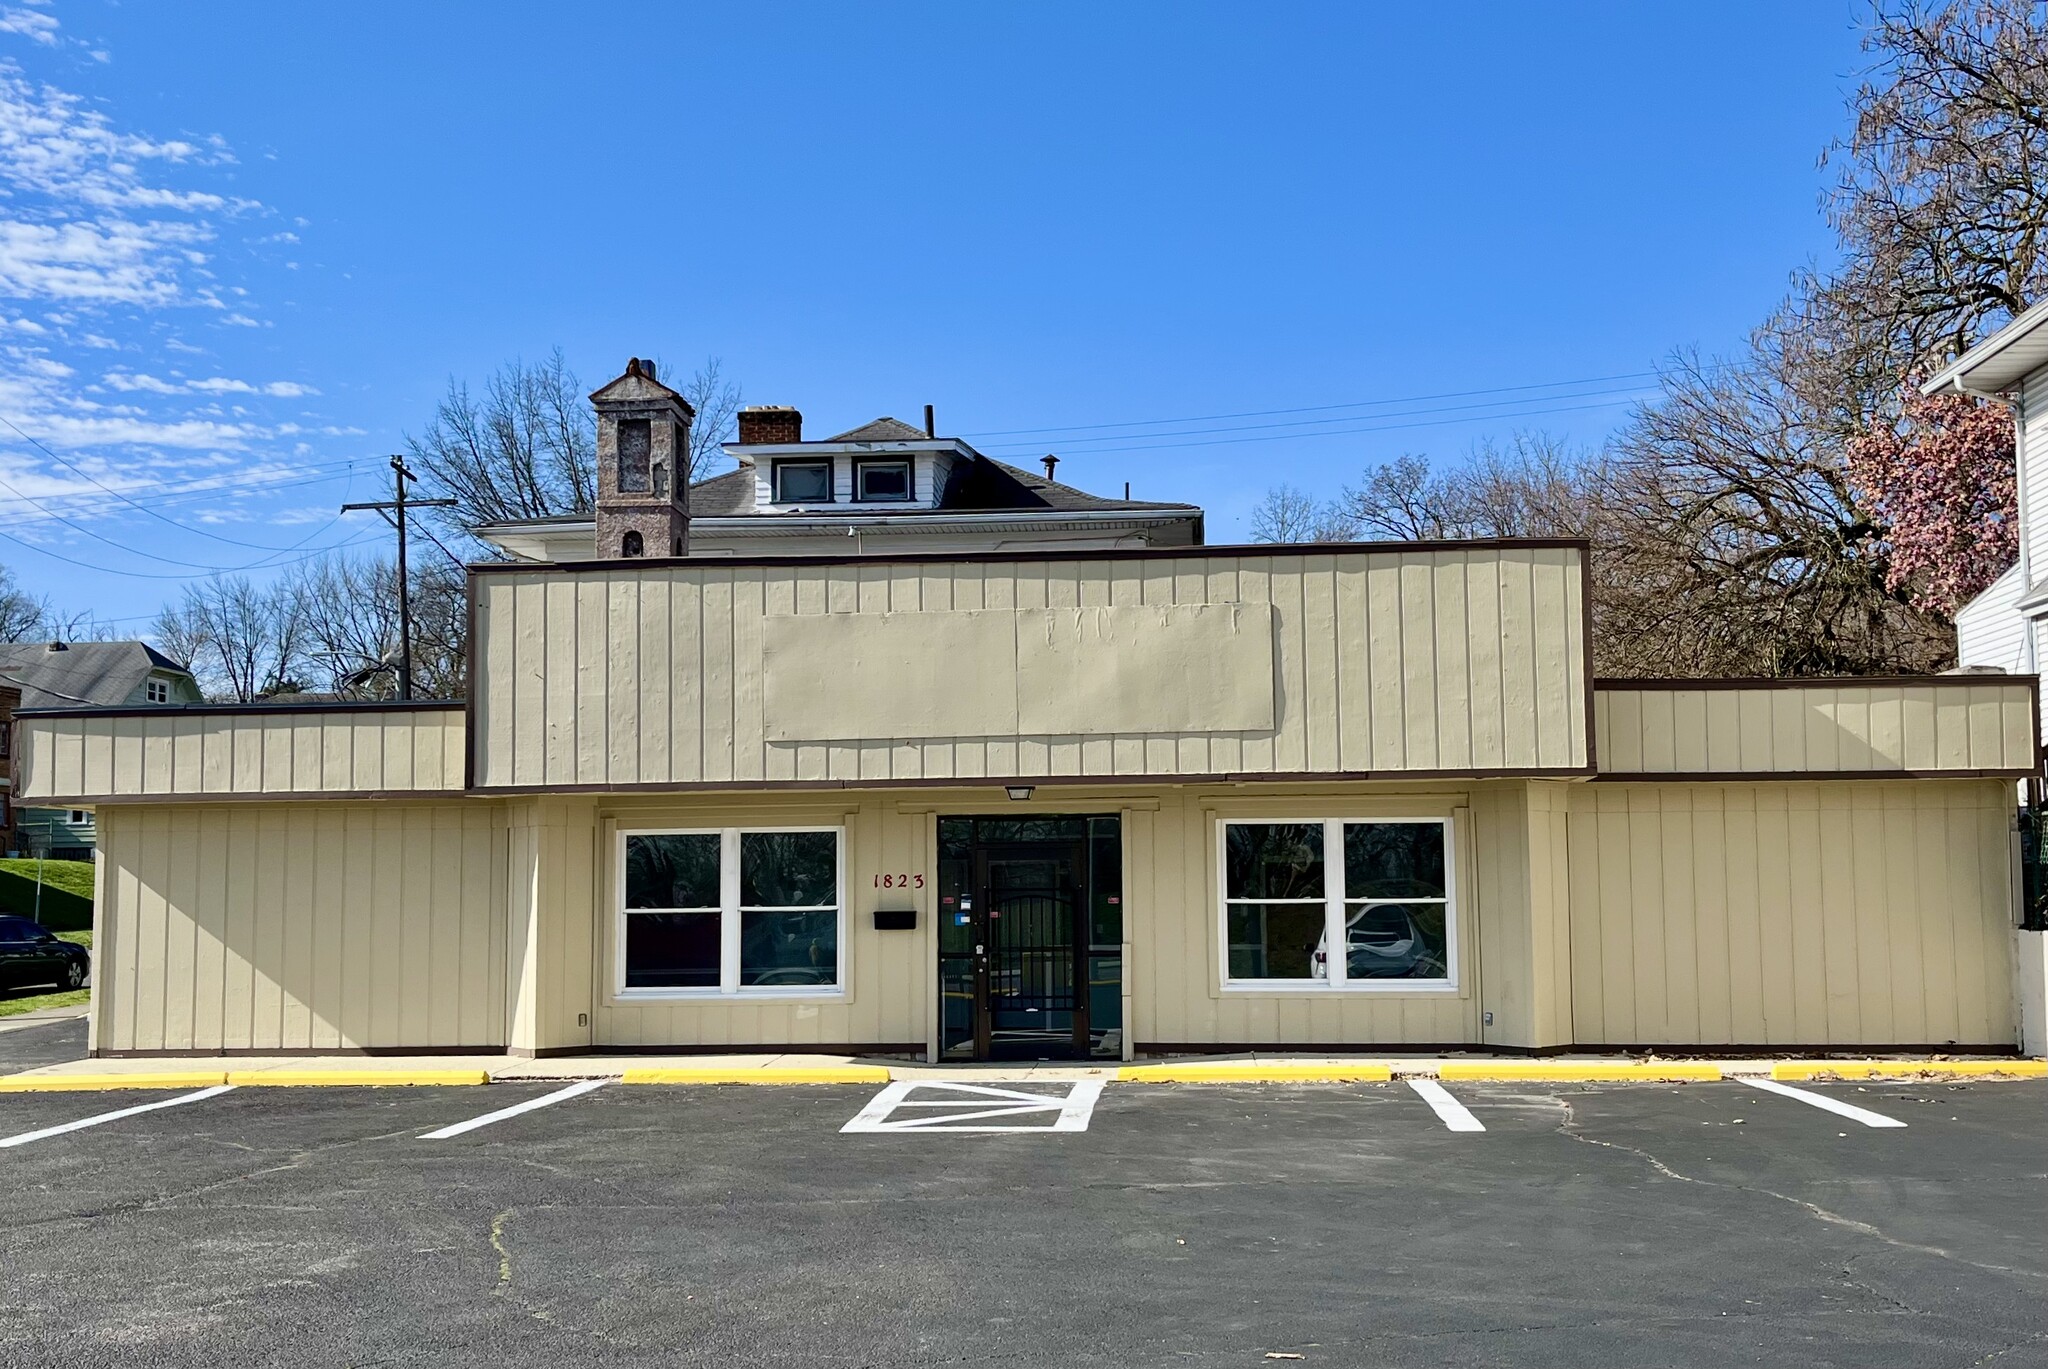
(764, 424)
(643, 466)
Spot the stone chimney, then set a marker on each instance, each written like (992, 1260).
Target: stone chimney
(643, 466)
(763, 424)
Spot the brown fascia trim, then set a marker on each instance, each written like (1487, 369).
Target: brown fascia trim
(914, 1049)
(1611, 683)
(1241, 551)
(1798, 776)
(1678, 1051)
(1560, 772)
(252, 796)
(249, 710)
(232, 1052)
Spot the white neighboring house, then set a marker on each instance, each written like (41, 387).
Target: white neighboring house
(883, 488)
(2001, 628)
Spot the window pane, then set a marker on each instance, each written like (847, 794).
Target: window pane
(810, 483)
(1274, 860)
(1275, 940)
(1393, 860)
(678, 870)
(891, 481)
(1396, 941)
(789, 869)
(672, 950)
(789, 949)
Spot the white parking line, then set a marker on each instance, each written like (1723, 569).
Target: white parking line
(1821, 1100)
(1072, 1109)
(1454, 1113)
(558, 1096)
(25, 1137)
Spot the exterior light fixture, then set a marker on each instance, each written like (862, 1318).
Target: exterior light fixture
(1019, 792)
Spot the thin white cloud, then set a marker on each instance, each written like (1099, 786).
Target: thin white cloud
(30, 24)
(130, 382)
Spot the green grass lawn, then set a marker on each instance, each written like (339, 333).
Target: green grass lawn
(14, 1004)
(66, 897)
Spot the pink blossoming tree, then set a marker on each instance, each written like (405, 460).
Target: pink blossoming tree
(1941, 482)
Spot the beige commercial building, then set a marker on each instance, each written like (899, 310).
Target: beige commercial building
(1098, 800)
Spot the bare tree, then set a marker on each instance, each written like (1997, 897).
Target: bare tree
(1941, 186)
(1288, 514)
(352, 625)
(527, 446)
(23, 617)
(717, 401)
(242, 641)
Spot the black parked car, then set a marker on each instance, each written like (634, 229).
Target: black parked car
(31, 954)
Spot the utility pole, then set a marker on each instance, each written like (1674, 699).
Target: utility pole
(399, 502)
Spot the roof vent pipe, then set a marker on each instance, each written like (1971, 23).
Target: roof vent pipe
(1050, 462)
(931, 426)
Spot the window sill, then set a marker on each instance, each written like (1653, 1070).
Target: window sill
(1271, 987)
(775, 995)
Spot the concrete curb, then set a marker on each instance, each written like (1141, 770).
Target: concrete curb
(288, 1079)
(1239, 1073)
(817, 1074)
(1561, 1072)
(95, 1083)
(1910, 1069)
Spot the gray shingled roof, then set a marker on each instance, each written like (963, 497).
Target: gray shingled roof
(881, 430)
(104, 674)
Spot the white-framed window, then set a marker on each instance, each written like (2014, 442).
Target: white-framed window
(739, 911)
(881, 481)
(1330, 904)
(156, 691)
(805, 481)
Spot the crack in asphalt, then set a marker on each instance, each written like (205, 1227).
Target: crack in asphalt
(1568, 1128)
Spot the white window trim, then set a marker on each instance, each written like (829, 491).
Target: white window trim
(156, 691)
(909, 495)
(729, 987)
(1334, 923)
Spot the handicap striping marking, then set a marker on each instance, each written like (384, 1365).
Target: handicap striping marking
(1455, 1114)
(1821, 1100)
(981, 1103)
(558, 1096)
(97, 1118)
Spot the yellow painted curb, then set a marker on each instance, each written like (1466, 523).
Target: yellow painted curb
(352, 1078)
(84, 1083)
(1909, 1069)
(1564, 1072)
(1254, 1074)
(822, 1074)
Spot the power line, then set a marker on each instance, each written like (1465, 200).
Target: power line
(197, 575)
(41, 447)
(164, 491)
(1317, 408)
(1273, 428)
(1167, 441)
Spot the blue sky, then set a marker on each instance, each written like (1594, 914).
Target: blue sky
(244, 247)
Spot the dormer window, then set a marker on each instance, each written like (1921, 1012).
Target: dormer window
(881, 481)
(803, 482)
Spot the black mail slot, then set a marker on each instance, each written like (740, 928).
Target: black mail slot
(895, 919)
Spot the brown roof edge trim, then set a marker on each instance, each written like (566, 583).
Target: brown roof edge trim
(1239, 550)
(264, 710)
(1812, 681)
(273, 796)
(1037, 781)
(1801, 776)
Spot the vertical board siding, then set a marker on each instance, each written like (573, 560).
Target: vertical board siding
(1844, 914)
(204, 754)
(1960, 723)
(307, 926)
(1459, 660)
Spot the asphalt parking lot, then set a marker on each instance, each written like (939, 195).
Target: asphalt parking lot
(1705, 1224)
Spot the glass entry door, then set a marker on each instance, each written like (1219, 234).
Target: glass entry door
(1030, 938)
